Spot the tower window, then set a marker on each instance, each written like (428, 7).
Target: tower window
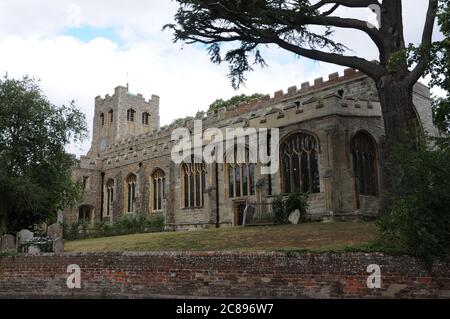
(130, 115)
(111, 116)
(102, 119)
(145, 118)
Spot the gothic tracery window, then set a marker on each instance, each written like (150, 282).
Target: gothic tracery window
(300, 164)
(109, 197)
(158, 179)
(131, 193)
(363, 150)
(240, 175)
(193, 184)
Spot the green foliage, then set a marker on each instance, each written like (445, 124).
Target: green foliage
(235, 100)
(35, 170)
(126, 225)
(283, 205)
(249, 25)
(420, 221)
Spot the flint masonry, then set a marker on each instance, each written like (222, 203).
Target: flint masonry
(330, 132)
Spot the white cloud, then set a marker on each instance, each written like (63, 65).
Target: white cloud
(32, 42)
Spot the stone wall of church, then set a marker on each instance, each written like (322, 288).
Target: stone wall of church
(332, 110)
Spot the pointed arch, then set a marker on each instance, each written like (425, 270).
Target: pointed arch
(130, 199)
(299, 157)
(157, 189)
(193, 183)
(365, 164)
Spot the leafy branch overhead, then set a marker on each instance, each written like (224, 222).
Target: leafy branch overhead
(301, 26)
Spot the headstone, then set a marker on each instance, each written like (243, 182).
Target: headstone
(24, 236)
(33, 250)
(55, 231)
(58, 246)
(8, 243)
(294, 217)
(248, 214)
(60, 218)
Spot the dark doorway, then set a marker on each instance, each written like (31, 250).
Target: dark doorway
(85, 213)
(239, 208)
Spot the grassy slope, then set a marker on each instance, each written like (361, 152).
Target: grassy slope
(313, 236)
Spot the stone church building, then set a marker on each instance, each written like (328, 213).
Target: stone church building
(330, 133)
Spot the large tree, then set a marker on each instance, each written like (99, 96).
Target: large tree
(305, 28)
(35, 170)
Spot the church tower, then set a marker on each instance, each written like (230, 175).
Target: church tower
(121, 116)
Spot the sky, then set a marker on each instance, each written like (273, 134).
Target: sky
(80, 49)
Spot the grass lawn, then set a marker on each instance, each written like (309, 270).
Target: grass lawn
(312, 236)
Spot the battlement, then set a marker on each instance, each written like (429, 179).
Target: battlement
(122, 91)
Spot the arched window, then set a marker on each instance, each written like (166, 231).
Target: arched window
(240, 174)
(193, 182)
(109, 197)
(145, 118)
(131, 193)
(363, 148)
(111, 116)
(130, 115)
(300, 164)
(157, 191)
(102, 119)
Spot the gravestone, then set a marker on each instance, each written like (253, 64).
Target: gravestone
(60, 218)
(55, 231)
(33, 250)
(8, 243)
(294, 217)
(58, 246)
(24, 236)
(248, 214)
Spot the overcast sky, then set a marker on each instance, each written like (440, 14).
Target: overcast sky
(83, 48)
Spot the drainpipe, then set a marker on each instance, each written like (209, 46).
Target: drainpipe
(102, 197)
(217, 197)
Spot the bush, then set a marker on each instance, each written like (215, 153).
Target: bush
(420, 220)
(127, 224)
(283, 205)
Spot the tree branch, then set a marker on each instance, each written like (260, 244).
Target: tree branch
(427, 39)
(371, 69)
(346, 3)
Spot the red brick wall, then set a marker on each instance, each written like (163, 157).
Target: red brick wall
(221, 275)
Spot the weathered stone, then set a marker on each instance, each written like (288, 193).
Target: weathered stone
(55, 231)
(58, 246)
(60, 217)
(333, 120)
(294, 217)
(24, 236)
(8, 243)
(33, 250)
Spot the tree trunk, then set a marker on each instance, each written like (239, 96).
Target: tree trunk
(396, 98)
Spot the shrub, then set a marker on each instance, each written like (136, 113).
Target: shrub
(420, 220)
(284, 204)
(127, 224)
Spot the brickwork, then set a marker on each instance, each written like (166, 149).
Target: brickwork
(251, 275)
